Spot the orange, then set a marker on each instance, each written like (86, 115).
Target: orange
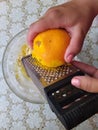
(49, 47)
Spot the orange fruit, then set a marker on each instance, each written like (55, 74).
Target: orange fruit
(49, 47)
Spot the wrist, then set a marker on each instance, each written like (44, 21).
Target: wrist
(89, 5)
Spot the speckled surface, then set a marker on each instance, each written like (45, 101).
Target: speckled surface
(16, 114)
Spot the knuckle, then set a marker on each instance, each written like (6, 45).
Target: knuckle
(93, 85)
(89, 85)
(53, 12)
(86, 83)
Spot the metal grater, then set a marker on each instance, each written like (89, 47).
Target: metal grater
(71, 105)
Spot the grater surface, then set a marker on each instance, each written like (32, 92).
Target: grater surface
(48, 75)
(71, 105)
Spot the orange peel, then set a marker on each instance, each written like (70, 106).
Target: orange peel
(49, 47)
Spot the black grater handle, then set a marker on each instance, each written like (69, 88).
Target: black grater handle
(76, 111)
(81, 112)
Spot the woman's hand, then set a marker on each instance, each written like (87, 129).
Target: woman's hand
(87, 83)
(75, 16)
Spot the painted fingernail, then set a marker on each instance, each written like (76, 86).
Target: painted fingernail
(75, 82)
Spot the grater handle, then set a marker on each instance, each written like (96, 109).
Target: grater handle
(78, 111)
(82, 112)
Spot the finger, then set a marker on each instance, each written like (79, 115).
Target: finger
(75, 45)
(90, 70)
(41, 25)
(86, 83)
(36, 28)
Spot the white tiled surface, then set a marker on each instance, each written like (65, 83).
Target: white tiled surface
(16, 114)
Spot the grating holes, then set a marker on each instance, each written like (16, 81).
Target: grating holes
(64, 95)
(56, 78)
(57, 91)
(70, 71)
(67, 72)
(52, 94)
(50, 75)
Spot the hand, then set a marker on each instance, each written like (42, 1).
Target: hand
(88, 82)
(75, 16)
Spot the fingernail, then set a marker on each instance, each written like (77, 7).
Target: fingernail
(69, 58)
(75, 82)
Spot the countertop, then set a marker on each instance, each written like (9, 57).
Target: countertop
(15, 113)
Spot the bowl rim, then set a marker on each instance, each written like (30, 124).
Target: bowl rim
(3, 71)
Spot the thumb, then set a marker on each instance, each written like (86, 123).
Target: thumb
(76, 42)
(86, 83)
